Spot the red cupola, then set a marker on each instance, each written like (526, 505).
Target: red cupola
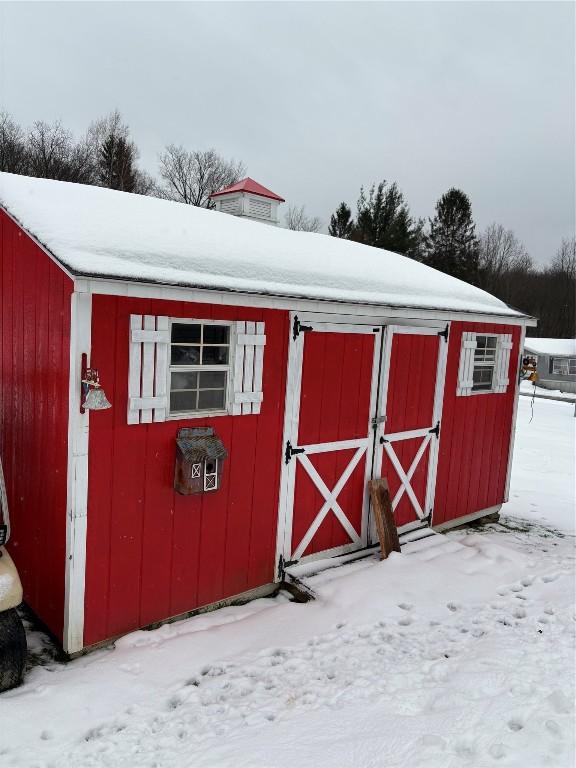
(249, 199)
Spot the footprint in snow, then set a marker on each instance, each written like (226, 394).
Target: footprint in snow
(549, 577)
(553, 727)
(452, 607)
(405, 606)
(405, 622)
(527, 581)
(519, 613)
(517, 588)
(549, 610)
(515, 725)
(174, 702)
(497, 751)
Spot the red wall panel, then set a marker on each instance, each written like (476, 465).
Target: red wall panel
(35, 356)
(475, 436)
(152, 553)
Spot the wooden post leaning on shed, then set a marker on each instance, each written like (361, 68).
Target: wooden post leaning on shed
(384, 516)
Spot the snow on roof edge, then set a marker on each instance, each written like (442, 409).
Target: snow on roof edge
(62, 218)
(550, 346)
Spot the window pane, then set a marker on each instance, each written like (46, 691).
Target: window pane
(183, 401)
(214, 355)
(213, 380)
(482, 377)
(211, 399)
(216, 334)
(187, 333)
(572, 365)
(560, 366)
(184, 380)
(185, 355)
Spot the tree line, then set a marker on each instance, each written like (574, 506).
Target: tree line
(494, 260)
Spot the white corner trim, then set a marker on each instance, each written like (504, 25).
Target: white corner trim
(77, 493)
(514, 413)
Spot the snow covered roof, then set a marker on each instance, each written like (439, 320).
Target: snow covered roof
(249, 185)
(557, 347)
(104, 233)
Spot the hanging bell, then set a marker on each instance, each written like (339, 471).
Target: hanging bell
(96, 399)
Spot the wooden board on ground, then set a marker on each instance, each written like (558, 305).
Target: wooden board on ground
(384, 516)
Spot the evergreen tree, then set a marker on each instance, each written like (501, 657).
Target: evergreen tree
(452, 245)
(116, 164)
(341, 222)
(384, 220)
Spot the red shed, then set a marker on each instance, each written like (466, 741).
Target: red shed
(257, 378)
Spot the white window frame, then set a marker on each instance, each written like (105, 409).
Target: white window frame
(492, 365)
(567, 361)
(467, 364)
(228, 368)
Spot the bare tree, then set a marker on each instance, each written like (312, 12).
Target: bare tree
(564, 262)
(298, 219)
(191, 176)
(53, 154)
(13, 153)
(500, 253)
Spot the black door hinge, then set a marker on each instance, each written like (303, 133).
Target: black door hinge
(289, 452)
(383, 440)
(3, 534)
(282, 565)
(298, 328)
(435, 430)
(444, 333)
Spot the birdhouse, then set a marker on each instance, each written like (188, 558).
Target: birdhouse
(199, 458)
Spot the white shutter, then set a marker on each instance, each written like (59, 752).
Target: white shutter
(503, 349)
(148, 369)
(248, 366)
(466, 368)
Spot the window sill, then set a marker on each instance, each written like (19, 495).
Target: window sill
(196, 415)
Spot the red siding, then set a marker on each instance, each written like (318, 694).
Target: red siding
(35, 357)
(152, 553)
(475, 436)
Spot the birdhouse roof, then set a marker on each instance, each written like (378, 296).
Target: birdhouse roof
(249, 185)
(200, 444)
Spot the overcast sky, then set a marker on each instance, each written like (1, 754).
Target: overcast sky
(319, 98)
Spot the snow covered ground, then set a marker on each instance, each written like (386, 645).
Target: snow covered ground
(458, 652)
(526, 388)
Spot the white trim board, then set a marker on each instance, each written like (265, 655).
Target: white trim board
(77, 488)
(467, 518)
(514, 413)
(104, 286)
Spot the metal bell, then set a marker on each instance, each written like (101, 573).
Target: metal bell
(96, 400)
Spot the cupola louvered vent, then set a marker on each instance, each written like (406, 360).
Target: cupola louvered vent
(231, 206)
(260, 208)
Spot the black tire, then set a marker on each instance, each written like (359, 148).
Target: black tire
(12, 649)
